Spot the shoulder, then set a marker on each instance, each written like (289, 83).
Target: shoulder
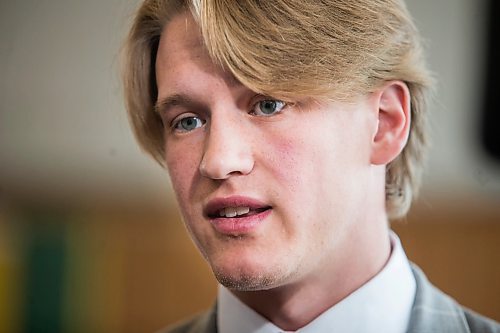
(434, 311)
(201, 323)
(479, 323)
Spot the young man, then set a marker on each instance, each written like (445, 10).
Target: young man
(293, 131)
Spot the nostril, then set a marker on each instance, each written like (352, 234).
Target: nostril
(224, 165)
(213, 167)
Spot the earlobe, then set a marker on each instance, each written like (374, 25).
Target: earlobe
(394, 116)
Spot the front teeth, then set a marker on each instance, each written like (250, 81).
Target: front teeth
(233, 211)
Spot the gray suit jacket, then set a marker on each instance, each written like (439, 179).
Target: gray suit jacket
(432, 312)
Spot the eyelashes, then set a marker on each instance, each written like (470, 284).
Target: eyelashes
(187, 123)
(190, 121)
(268, 107)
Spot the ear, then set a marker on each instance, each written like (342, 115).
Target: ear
(393, 104)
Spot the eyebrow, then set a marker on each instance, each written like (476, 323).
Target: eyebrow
(164, 104)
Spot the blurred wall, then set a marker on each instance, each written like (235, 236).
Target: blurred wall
(64, 134)
(455, 33)
(89, 236)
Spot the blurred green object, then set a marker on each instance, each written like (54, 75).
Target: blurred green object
(45, 260)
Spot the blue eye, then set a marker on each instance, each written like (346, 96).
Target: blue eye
(188, 123)
(268, 107)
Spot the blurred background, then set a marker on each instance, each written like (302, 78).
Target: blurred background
(90, 239)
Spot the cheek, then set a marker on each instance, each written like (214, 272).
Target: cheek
(292, 158)
(315, 167)
(182, 163)
(285, 159)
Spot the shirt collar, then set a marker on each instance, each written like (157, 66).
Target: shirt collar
(383, 304)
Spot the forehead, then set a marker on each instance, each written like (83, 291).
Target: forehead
(181, 45)
(182, 32)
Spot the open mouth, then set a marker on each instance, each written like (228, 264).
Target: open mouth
(236, 212)
(236, 215)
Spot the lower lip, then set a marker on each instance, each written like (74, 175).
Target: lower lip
(239, 225)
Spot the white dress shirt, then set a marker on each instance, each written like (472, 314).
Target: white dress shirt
(383, 304)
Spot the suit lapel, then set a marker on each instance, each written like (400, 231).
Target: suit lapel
(433, 311)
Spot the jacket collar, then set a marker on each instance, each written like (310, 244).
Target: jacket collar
(433, 311)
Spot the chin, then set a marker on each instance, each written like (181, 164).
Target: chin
(248, 276)
(245, 282)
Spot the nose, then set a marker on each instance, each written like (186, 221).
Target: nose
(227, 150)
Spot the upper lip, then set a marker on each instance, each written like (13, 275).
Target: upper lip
(213, 207)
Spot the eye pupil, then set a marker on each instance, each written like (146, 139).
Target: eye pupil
(268, 107)
(189, 123)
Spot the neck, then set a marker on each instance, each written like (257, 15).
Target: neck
(364, 252)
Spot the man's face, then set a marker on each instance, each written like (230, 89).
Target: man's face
(271, 192)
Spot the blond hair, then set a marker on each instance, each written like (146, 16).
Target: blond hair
(289, 49)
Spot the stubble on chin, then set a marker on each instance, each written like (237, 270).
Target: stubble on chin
(241, 281)
(254, 274)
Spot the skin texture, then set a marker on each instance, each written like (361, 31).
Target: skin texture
(320, 166)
